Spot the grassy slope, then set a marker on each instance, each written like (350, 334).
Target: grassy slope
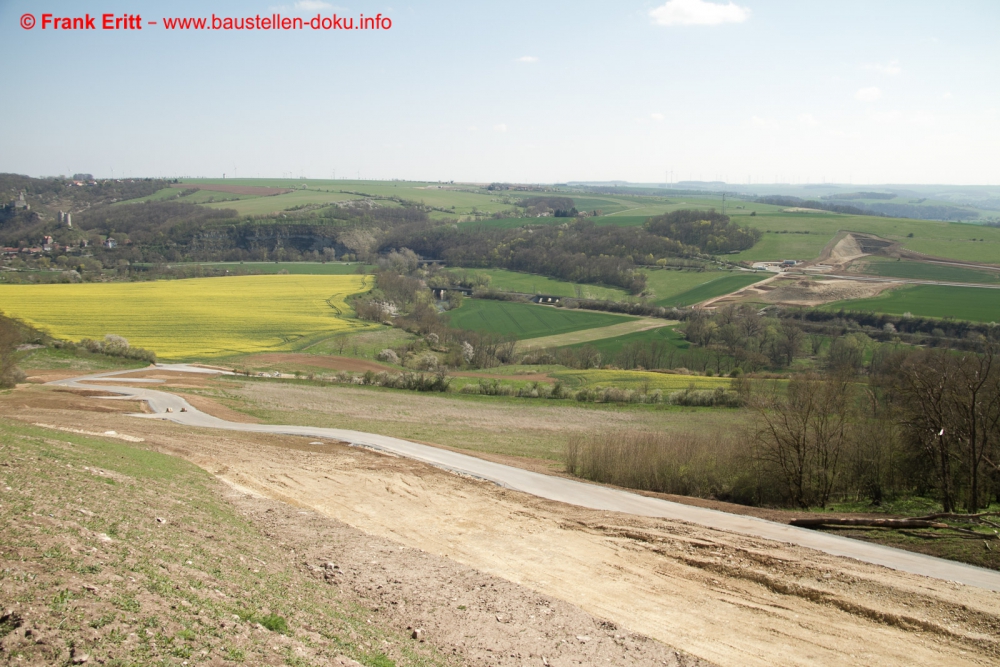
(528, 283)
(532, 427)
(526, 320)
(683, 288)
(963, 303)
(200, 197)
(284, 202)
(49, 358)
(940, 239)
(190, 588)
(463, 198)
(575, 338)
(883, 266)
(717, 287)
(608, 347)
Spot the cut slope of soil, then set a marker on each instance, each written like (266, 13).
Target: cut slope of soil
(727, 598)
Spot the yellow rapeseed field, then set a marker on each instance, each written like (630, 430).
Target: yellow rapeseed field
(197, 318)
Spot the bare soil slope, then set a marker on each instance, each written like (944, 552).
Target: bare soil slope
(728, 599)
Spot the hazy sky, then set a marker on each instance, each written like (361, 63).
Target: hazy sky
(832, 90)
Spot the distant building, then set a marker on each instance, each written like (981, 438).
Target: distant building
(110, 243)
(20, 203)
(442, 292)
(546, 298)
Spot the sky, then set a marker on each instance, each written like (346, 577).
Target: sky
(749, 91)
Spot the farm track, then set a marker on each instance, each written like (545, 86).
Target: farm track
(902, 281)
(718, 594)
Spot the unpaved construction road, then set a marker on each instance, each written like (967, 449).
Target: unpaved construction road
(729, 589)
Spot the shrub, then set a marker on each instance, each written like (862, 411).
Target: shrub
(274, 623)
(426, 362)
(693, 464)
(492, 387)
(706, 398)
(115, 346)
(389, 356)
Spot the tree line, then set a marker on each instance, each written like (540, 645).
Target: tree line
(709, 231)
(922, 423)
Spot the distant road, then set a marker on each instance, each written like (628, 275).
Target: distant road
(559, 489)
(905, 281)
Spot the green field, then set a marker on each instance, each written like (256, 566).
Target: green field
(608, 347)
(525, 320)
(664, 284)
(199, 197)
(281, 203)
(949, 240)
(962, 303)
(685, 288)
(455, 199)
(716, 288)
(528, 283)
(892, 268)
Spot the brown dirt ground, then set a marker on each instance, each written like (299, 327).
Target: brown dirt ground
(797, 291)
(845, 251)
(725, 598)
(232, 189)
(470, 616)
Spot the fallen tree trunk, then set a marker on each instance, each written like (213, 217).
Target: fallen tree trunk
(881, 523)
(918, 522)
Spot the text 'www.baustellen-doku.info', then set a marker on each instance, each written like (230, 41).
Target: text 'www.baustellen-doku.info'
(54, 22)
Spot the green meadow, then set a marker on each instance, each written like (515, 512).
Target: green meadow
(528, 283)
(893, 268)
(608, 347)
(525, 320)
(978, 304)
(685, 288)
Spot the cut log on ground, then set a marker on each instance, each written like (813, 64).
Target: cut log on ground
(881, 523)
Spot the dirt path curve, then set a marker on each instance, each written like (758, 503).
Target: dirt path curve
(174, 408)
